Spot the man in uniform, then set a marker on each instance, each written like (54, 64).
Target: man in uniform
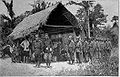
(78, 49)
(48, 50)
(48, 55)
(55, 52)
(85, 49)
(89, 51)
(38, 48)
(108, 47)
(71, 50)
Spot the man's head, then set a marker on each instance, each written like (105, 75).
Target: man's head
(77, 38)
(36, 36)
(70, 37)
(46, 36)
(26, 38)
(9, 43)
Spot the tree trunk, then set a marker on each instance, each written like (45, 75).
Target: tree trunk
(87, 22)
(1, 24)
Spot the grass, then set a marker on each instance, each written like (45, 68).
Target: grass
(107, 68)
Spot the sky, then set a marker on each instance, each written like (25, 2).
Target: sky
(20, 6)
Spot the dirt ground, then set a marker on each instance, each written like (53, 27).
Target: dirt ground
(22, 69)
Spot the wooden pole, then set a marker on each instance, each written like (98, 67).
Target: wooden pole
(88, 25)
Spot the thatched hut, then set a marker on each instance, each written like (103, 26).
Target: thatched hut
(53, 20)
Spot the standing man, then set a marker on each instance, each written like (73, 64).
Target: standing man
(78, 49)
(48, 50)
(30, 48)
(89, 51)
(48, 55)
(38, 48)
(85, 47)
(55, 52)
(108, 47)
(71, 50)
(25, 44)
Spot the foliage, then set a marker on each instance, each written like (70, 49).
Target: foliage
(8, 24)
(110, 68)
(92, 17)
(86, 6)
(97, 16)
(109, 33)
(40, 5)
(12, 21)
(9, 7)
(103, 65)
(19, 18)
(37, 6)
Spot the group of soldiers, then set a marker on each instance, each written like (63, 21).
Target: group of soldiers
(28, 50)
(42, 50)
(84, 50)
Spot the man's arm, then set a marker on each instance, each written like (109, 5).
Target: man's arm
(28, 43)
(22, 44)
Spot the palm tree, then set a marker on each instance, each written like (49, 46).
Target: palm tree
(9, 7)
(39, 5)
(86, 5)
(90, 16)
(7, 21)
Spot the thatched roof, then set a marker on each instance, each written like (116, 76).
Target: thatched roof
(33, 22)
(115, 29)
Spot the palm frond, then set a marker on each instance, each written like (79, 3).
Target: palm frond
(6, 17)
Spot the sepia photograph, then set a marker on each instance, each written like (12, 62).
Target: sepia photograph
(59, 37)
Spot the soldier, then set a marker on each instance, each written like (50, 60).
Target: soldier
(78, 49)
(48, 50)
(38, 48)
(85, 47)
(55, 53)
(71, 50)
(30, 47)
(48, 55)
(89, 50)
(101, 48)
(97, 49)
(108, 47)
